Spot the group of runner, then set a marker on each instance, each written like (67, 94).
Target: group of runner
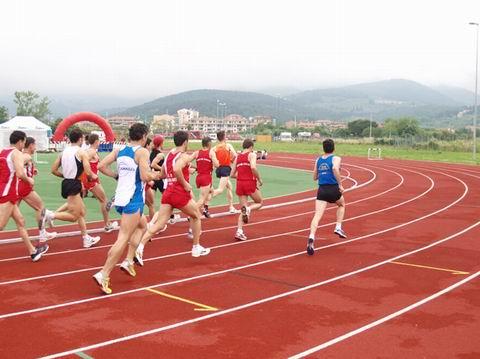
(141, 169)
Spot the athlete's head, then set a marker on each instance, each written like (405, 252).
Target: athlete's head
(247, 144)
(148, 144)
(158, 141)
(206, 142)
(221, 136)
(17, 138)
(138, 132)
(86, 137)
(328, 146)
(93, 140)
(180, 138)
(30, 145)
(75, 136)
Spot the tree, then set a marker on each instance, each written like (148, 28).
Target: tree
(55, 124)
(357, 127)
(30, 104)
(3, 114)
(408, 127)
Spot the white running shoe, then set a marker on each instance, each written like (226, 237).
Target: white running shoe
(198, 251)
(128, 268)
(103, 282)
(111, 227)
(174, 218)
(240, 236)
(190, 233)
(139, 257)
(89, 241)
(232, 210)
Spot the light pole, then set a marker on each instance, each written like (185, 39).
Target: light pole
(476, 90)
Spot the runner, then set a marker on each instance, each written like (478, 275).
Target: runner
(248, 177)
(206, 161)
(11, 170)
(178, 195)
(73, 161)
(133, 171)
(330, 190)
(226, 155)
(94, 185)
(149, 192)
(25, 189)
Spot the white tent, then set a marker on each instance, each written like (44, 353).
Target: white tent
(31, 126)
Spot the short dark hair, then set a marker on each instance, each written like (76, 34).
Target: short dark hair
(247, 143)
(220, 135)
(206, 141)
(180, 137)
(87, 136)
(75, 135)
(91, 138)
(16, 136)
(137, 131)
(328, 145)
(149, 140)
(29, 141)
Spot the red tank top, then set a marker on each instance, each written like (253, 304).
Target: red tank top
(30, 172)
(244, 171)
(8, 178)
(204, 163)
(169, 164)
(223, 155)
(94, 166)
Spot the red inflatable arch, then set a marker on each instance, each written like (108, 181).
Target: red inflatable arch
(83, 116)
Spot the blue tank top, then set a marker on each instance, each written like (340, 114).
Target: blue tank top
(325, 171)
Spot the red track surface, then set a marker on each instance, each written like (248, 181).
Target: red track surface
(272, 299)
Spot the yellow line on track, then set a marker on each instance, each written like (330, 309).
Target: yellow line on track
(453, 271)
(200, 307)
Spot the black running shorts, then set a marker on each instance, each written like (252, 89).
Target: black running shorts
(223, 171)
(329, 193)
(71, 187)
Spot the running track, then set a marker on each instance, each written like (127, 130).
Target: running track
(404, 284)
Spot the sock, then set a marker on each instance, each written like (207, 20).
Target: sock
(43, 233)
(338, 226)
(239, 230)
(140, 247)
(312, 235)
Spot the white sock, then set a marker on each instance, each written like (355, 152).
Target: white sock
(312, 235)
(239, 230)
(338, 226)
(43, 233)
(140, 247)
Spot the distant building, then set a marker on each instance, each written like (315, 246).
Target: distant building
(312, 124)
(122, 121)
(185, 116)
(162, 123)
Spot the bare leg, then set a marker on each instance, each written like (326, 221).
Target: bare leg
(204, 196)
(99, 193)
(75, 209)
(222, 184)
(229, 193)
(34, 201)
(319, 209)
(243, 201)
(22, 231)
(136, 238)
(163, 216)
(258, 203)
(127, 227)
(191, 210)
(6, 210)
(340, 212)
(149, 201)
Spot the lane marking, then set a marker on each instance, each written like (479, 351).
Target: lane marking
(200, 306)
(272, 298)
(83, 355)
(265, 279)
(453, 271)
(386, 318)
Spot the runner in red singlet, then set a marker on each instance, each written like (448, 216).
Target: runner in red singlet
(206, 160)
(226, 155)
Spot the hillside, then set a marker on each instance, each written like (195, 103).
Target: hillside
(458, 94)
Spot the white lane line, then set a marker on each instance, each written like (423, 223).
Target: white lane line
(268, 299)
(385, 319)
(91, 299)
(70, 251)
(252, 240)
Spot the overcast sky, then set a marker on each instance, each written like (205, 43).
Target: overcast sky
(151, 48)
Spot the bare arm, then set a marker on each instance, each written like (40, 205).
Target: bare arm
(156, 160)
(337, 161)
(315, 171)
(252, 157)
(214, 158)
(18, 164)
(233, 174)
(104, 165)
(142, 157)
(83, 156)
(56, 167)
(233, 153)
(183, 161)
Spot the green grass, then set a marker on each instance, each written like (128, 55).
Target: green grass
(277, 182)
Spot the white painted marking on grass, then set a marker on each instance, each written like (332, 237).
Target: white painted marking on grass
(275, 297)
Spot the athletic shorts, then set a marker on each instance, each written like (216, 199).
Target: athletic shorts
(71, 187)
(203, 180)
(223, 171)
(131, 208)
(329, 193)
(9, 198)
(24, 189)
(159, 186)
(246, 188)
(176, 197)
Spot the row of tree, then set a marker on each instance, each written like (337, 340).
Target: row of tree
(28, 103)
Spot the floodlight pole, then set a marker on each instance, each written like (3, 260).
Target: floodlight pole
(476, 95)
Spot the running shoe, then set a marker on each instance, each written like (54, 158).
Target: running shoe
(109, 204)
(240, 236)
(39, 252)
(310, 248)
(245, 213)
(198, 251)
(232, 209)
(103, 282)
(339, 232)
(174, 218)
(138, 258)
(51, 235)
(46, 216)
(111, 227)
(190, 233)
(206, 213)
(89, 241)
(128, 268)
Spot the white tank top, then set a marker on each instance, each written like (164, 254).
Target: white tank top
(72, 167)
(130, 188)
